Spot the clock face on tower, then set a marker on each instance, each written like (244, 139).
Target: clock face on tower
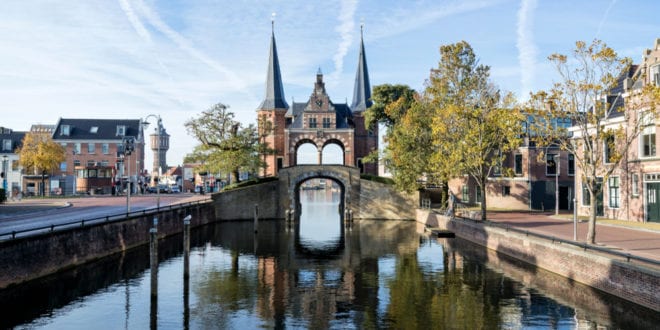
(319, 103)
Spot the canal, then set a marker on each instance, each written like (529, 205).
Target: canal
(318, 274)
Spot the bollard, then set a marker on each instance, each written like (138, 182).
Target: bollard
(186, 247)
(256, 218)
(153, 258)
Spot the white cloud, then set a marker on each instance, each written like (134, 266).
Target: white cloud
(525, 43)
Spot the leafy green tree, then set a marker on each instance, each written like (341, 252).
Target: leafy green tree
(225, 145)
(583, 95)
(474, 124)
(390, 103)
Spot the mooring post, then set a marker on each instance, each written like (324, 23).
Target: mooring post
(153, 258)
(186, 246)
(256, 218)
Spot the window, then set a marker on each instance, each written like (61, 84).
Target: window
(76, 163)
(586, 195)
(63, 166)
(105, 163)
(6, 145)
(478, 193)
(121, 130)
(517, 164)
(91, 148)
(65, 130)
(571, 164)
(312, 122)
(91, 163)
(105, 148)
(615, 197)
(94, 129)
(14, 165)
(326, 122)
(655, 75)
(608, 147)
(635, 184)
(647, 137)
(550, 164)
(506, 191)
(465, 192)
(76, 149)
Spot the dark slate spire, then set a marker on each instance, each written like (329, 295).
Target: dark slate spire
(362, 90)
(274, 98)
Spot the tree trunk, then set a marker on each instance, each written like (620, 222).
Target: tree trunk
(235, 175)
(483, 199)
(591, 233)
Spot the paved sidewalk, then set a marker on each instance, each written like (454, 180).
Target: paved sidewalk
(26, 206)
(639, 242)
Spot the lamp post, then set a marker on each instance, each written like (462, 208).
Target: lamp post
(129, 146)
(158, 131)
(557, 160)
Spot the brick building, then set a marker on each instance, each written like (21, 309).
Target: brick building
(12, 180)
(632, 191)
(319, 123)
(95, 162)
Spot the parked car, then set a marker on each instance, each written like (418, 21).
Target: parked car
(174, 189)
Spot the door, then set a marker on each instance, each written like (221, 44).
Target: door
(563, 198)
(653, 202)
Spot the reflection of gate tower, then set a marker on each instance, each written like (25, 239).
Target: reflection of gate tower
(159, 144)
(318, 121)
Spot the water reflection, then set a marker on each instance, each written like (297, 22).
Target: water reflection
(386, 276)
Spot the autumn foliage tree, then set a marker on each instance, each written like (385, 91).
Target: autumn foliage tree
(585, 95)
(39, 154)
(474, 124)
(225, 145)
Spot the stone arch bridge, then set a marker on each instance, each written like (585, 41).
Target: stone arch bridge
(364, 198)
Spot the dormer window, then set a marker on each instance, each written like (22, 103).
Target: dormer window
(94, 129)
(121, 130)
(6, 145)
(65, 130)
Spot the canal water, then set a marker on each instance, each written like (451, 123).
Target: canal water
(318, 274)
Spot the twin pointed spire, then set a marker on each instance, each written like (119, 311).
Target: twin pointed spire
(274, 98)
(362, 89)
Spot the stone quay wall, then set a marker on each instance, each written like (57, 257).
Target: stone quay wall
(620, 278)
(28, 258)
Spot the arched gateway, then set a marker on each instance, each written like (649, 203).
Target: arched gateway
(336, 130)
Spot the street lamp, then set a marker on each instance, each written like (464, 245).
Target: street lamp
(129, 146)
(557, 172)
(159, 128)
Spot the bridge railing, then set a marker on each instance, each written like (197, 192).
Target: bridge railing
(117, 217)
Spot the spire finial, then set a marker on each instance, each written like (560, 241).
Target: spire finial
(272, 22)
(361, 27)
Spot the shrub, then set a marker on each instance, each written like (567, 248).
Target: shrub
(376, 178)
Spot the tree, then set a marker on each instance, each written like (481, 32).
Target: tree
(39, 154)
(226, 146)
(584, 95)
(474, 124)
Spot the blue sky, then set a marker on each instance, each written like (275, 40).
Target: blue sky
(131, 58)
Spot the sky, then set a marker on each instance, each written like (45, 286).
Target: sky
(127, 59)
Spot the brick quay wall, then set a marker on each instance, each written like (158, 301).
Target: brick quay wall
(635, 283)
(28, 258)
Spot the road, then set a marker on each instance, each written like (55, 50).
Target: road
(29, 214)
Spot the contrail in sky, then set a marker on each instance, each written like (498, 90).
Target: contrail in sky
(346, 31)
(525, 43)
(602, 21)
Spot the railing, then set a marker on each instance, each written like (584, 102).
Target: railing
(93, 221)
(627, 256)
